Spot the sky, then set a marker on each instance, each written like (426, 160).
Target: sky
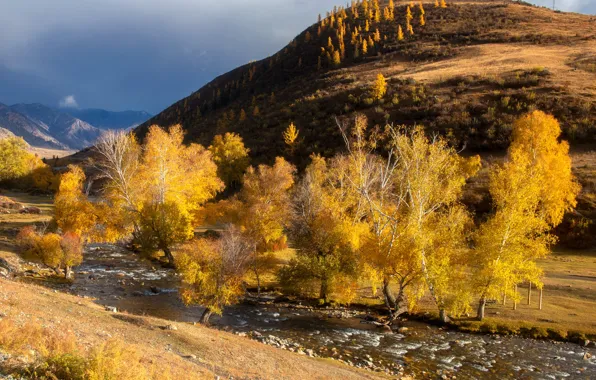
(145, 54)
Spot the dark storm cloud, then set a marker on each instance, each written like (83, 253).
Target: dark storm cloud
(143, 54)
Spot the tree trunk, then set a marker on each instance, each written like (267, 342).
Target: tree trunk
(166, 250)
(540, 301)
(515, 299)
(324, 290)
(504, 299)
(443, 316)
(256, 270)
(67, 272)
(529, 292)
(205, 316)
(387, 291)
(481, 306)
(401, 303)
(389, 297)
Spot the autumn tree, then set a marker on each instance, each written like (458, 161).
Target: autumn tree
(231, 157)
(263, 210)
(325, 232)
(422, 21)
(400, 33)
(443, 4)
(73, 212)
(242, 116)
(379, 88)
(531, 191)
(59, 252)
(290, 136)
(177, 180)
(212, 270)
(336, 58)
(118, 167)
(364, 47)
(23, 168)
(416, 221)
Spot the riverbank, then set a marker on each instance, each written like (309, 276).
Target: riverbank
(182, 347)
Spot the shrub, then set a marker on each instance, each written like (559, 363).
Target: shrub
(367, 101)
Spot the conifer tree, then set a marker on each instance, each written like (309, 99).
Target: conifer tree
(379, 88)
(366, 26)
(319, 63)
(410, 29)
(400, 33)
(336, 59)
(409, 16)
(290, 136)
(256, 111)
(364, 47)
(421, 8)
(436, 3)
(422, 21)
(443, 4)
(307, 37)
(377, 35)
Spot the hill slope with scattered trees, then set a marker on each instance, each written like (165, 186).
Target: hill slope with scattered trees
(463, 69)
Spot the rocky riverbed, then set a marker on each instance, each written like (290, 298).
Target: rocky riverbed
(121, 281)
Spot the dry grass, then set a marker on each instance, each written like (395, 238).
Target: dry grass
(50, 153)
(190, 350)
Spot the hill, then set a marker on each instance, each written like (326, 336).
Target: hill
(467, 74)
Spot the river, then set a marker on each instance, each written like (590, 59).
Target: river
(118, 278)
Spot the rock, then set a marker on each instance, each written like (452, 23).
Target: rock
(191, 356)
(310, 352)
(155, 290)
(111, 309)
(170, 327)
(30, 210)
(587, 356)
(402, 329)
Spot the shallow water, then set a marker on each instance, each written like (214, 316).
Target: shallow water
(119, 278)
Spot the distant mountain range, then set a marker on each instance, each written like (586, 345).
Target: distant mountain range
(46, 127)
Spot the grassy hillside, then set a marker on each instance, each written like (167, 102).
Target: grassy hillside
(467, 74)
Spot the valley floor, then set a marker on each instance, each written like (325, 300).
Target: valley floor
(569, 305)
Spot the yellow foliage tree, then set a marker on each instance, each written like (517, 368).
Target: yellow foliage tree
(231, 157)
(377, 37)
(265, 207)
(324, 232)
(409, 16)
(364, 47)
(443, 4)
(531, 191)
(242, 115)
(436, 3)
(213, 271)
(379, 88)
(55, 251)
(422, 21)
(336, 58)
(421, 7)
(400, 33)
(256, 111)
(72, 210)
(290, 136)
(21, 168)
(177, 180)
